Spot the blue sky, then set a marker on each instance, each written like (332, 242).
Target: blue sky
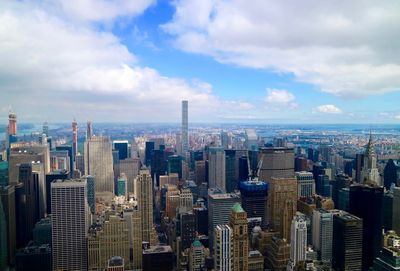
(264, 62)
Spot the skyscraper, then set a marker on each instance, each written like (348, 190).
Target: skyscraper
(216, 168)
(390, 174)
(223, 248)
(185, 127)
(238, 224)
(144, 196)
(231, 182)
(366, 203)
(282, 204)
(396, 209)
(122, 147)
(3, 239)
(347, 242)
(7, 197)
(276, 162)
(133, 218)
(89, 130)
(219, 209)
(322, 230)
(196, 256)
(305, 184)
(298, 246)
(254, 199)
(74, 142)
(389, 258)
(370, 173)
(70, 224)
(99, 163)
(12, 124)
(106, 240)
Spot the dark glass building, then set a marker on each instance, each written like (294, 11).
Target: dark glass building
(254, 199)
(50, 177)
(175, 165)
(34, 258)
(122, 147)
(148, 152)
(243, 168)
(390, 174)
(347, 242)
(231, 183)
(366, 203)
(158, 258)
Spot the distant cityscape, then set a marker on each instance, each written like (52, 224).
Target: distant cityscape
(192, 196)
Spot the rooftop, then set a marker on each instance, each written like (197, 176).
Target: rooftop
(237, 208)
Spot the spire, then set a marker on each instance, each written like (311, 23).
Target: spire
(370, 149)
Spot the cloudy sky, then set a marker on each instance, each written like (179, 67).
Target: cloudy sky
(257, 61)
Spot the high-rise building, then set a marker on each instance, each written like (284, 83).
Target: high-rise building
(366, 203)
(31, 191)
(122, 146)
(133, 218)
(231, 182)
(50, 177)
(3, 173)
(130, 167)
(223, 248)
(389, 174)
(347, 242)
(74, 141)
(197, 256)
(158, 258)
(70, 222)
(254, 199)
(277, 254)
(276, 162)
(396, 209)
(389, 257)
(175, 165)
(144, 196)
(34, 258)
(3, 239)
(185, 127)
(7, 197)
(322, 230)
(238, 224)
(369, 172)
(99, 163)
(187, 229)
(216, 168)
(89, 130)
(122, 188)
(251, 139)
(106, 240)
(305, 184)
(300, 164)
(219, 209)
(298, 246)
(12, 124)
(282, 204)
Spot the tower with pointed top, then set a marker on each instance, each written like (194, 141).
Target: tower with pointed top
(238, 223)
(370, 173)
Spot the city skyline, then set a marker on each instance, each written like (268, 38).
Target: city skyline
(232, 61)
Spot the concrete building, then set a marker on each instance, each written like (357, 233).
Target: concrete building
(347, 242)
(282, 204)
(216, 168)
(277, 162)
(185, 127)
(197, 256)
(70, 222)
(108, 239)
(238, 224)
(305, 184)
(298, 245)
(223, 248)
(219, 209)
(144, 197)
(322, 230)
(99, 162)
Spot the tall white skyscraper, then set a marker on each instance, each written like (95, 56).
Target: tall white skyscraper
(70, 223)
(216, 168)
(185, 128)
(223, 248)
(298, 246)
(99, 162)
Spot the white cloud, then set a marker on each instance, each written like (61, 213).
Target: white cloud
(50, 64)
(349, 48)
(280, 98)
(328, 109)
